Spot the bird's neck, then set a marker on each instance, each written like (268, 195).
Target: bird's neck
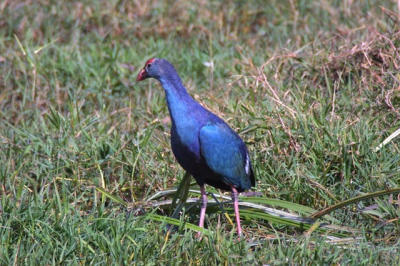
(181, 105)
(177, 96)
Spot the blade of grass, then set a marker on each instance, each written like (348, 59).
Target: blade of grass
(173, 221)
(280, 203)
(181, 195)
(330, 209)
(112, 197)
(388, 139)
(305, 210)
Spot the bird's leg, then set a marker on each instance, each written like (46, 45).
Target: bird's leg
(203, 207)
(235, 199)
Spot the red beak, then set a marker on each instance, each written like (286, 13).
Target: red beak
(142, 75)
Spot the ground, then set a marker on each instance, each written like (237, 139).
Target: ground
(313, 87)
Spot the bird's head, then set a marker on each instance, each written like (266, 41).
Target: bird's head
(155, 68)
(147, 71)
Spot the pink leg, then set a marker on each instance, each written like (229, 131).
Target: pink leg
(203, 206)
(235, 196)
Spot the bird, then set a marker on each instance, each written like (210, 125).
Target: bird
(202, 143)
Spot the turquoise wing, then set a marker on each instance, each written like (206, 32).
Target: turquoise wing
(226, 154)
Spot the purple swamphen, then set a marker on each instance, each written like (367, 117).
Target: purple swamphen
(203, 144)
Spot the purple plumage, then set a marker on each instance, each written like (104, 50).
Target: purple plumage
(203, 144)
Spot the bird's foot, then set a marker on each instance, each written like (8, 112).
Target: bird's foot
(199, 236)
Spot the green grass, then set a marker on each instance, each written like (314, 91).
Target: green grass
(312, 87)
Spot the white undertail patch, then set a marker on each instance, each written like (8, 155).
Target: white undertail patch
(247, 165)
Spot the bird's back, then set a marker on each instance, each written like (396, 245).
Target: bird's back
(210, 150)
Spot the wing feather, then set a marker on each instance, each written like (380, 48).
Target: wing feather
(226, 154)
